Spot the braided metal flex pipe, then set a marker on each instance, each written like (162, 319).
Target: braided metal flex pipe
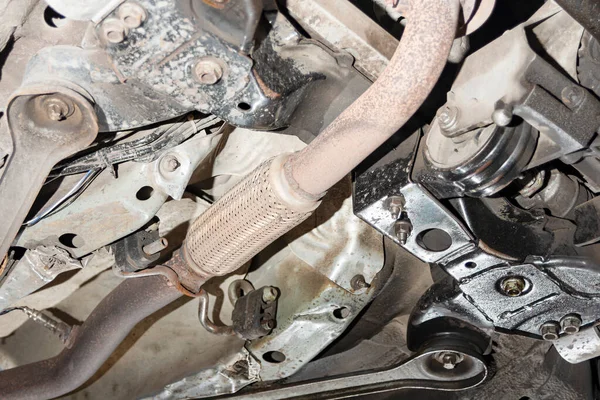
(283, 192)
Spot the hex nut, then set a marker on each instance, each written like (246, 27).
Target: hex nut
(572, 96)
(550, 330)
(132, 14)
(113, 30)
(358, 282)
(513, 286)
(208, 71)
(169, 163)
(269, 294)
(570, 324)
(396, 205)
(448, 117)
(449, 359)
(57, 107)
(267, 324)
(403, 229)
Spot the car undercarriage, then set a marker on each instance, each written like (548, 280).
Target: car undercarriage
(274, 199)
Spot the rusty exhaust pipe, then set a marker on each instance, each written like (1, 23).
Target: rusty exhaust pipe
(283, 192)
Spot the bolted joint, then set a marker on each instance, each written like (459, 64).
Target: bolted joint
(169, 163)
(448, 118)
(57, 107)
(403, 229)
(358, 282)
(208, 71)
(396, 205)
(269, 294)
(449, 359)
(572, 96)
(113, 30)
(570, 324)
(132, 14)
(267, 324)
(513, 286)
(550, 330)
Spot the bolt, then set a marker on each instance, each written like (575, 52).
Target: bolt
(58, 108)
(267, 324)
(572, 96)
(534, 185)
(208, 71)
(358, 282)
(132, 14)
(570, 324)
(549, 330)
(449, 359)
(269, 294)
(403, 228)
(448, 118)
(502, 115)
(114, 30)
(155, 247)
(169, 163)
(396, 205)
(513, 286)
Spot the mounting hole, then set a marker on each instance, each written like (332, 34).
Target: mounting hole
(71, 240)
(274, 357)
(434, 240)
(243, 106)
(144, 193)
(52, 18)
(341, 313)
(470, 264)
(525, 398)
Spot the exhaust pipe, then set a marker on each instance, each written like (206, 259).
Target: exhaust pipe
(283, 192)
(271, 200)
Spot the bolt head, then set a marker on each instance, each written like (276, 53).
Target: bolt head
(269, 294)
(358, 282)
(448, 117)
(572, 96)
(114, 30)
(403, 229)
(570, 324)
(57, 108)
(132, 14)
(268, 324)
(449, 359)
(550, 330)
(513, 286)
(169, 163)
(208, 71)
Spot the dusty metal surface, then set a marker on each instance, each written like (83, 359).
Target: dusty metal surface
(37, 267)
(39, 142)
(228, 376)
(116, 216)
(579, 347)
(246, 94)
(345, 27)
